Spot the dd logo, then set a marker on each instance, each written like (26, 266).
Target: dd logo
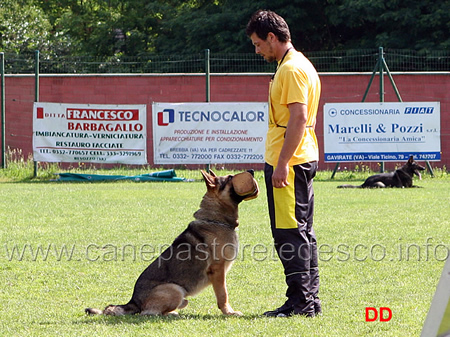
(372, 314)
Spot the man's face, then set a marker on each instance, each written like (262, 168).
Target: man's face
(263, 48)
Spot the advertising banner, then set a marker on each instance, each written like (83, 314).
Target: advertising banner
(207, 133)
(382, 131)
(89, 133)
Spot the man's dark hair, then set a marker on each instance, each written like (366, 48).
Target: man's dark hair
(263, 22)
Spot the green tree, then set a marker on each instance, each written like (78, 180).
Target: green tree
(134, 27)
(407, 24)
(24, 27)
(315, 24)
(89, 25)
(198, 25)
(106, 28)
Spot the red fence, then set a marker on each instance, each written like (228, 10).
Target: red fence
(146, 89)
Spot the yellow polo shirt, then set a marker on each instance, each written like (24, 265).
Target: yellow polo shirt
(296, 81)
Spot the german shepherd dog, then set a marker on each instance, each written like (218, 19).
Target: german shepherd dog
(402, 177)
(199, 256)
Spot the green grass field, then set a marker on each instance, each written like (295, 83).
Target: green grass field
(68, 246)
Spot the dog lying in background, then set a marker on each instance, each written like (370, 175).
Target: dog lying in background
(402, 177)
(199, 256)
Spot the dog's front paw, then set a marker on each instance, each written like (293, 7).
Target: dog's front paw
(172, 314)
(233, 313)
(93, 311)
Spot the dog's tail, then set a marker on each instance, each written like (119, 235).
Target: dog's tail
(349, 186)
(115, 310)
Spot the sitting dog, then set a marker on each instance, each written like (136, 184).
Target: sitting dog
(199, 256)
(402, 177)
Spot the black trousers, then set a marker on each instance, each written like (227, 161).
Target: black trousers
(291, 211)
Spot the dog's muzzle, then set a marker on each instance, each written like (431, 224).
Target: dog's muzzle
(245, 185)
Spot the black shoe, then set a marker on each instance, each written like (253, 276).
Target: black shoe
(287, 312)
(317, 307)
(280, 312)
(317, 310)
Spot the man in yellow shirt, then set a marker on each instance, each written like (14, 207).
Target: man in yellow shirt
(291, 161)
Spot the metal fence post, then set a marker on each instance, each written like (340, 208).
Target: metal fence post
(36, 98)
(207, 75)
(2, 94)
(381, 70)
(208, 84)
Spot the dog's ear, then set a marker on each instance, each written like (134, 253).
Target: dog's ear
(209, 179)
(411, 159)
(211, 172)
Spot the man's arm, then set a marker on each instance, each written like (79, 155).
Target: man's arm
(294, 133)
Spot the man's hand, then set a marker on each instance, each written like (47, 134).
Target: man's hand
(279, 176)
(294, 133)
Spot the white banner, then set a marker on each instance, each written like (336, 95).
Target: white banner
(89, 133)
(207, 133)
(381, 131)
